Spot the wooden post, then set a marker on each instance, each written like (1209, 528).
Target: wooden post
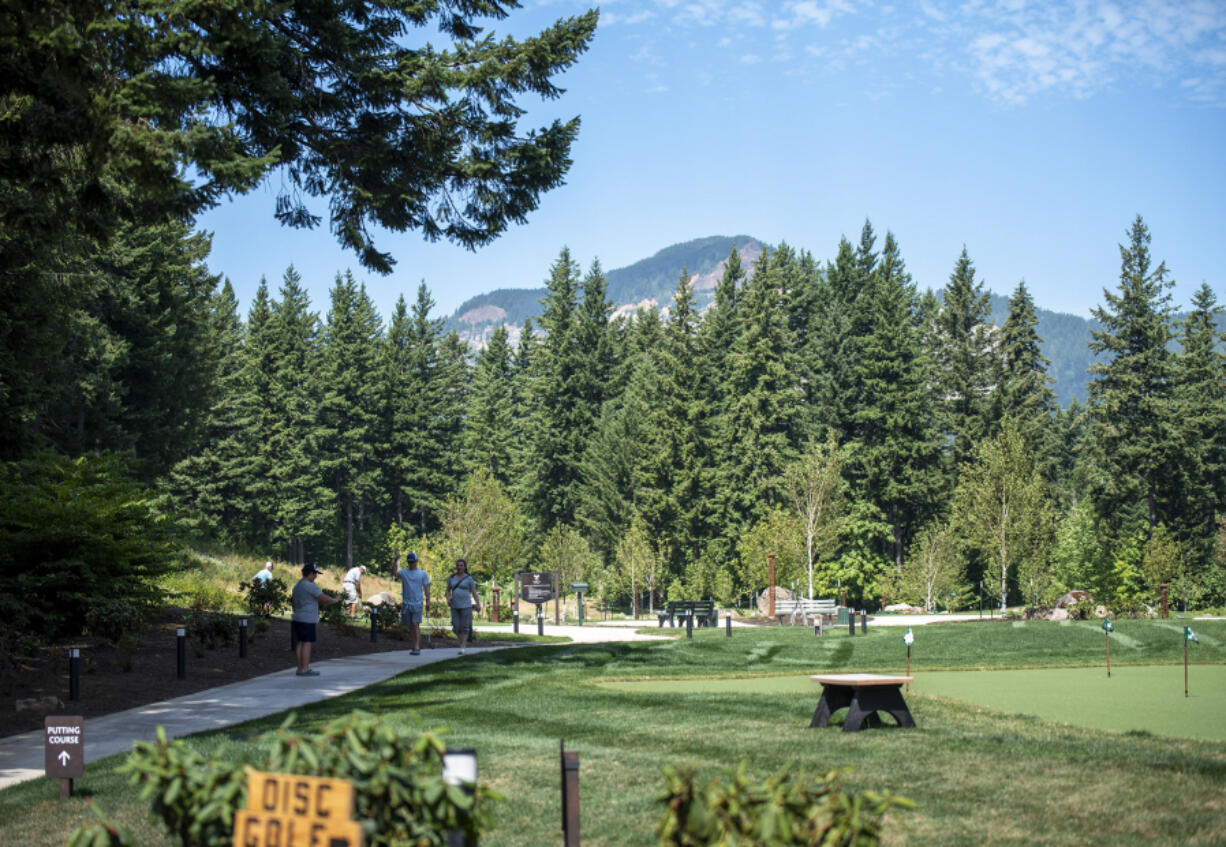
(770, 570)
(570, 796)
(1165, 603)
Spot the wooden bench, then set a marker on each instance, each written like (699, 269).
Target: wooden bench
(807, 609)
(864, 694)
(677, 610)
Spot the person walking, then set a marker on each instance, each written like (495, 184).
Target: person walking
(415, 594)
(352, 584)
(263, 574)
(462, 598)
(306, 598)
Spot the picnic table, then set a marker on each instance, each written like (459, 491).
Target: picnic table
(864, 694)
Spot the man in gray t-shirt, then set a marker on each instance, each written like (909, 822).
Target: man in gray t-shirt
(415, 592)
(306, 598)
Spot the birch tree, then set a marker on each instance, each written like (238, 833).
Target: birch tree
(1000, 506)
(816, 485)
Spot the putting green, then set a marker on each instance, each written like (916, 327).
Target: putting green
(1135, 699)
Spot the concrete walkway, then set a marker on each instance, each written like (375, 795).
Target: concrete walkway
(21, 756)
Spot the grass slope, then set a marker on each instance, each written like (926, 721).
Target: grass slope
(980, 776)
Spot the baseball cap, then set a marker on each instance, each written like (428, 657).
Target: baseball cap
(411, 557)
(307, 570)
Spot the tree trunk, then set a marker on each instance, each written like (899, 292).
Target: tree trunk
(348, 531)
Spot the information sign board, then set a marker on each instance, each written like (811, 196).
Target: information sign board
(536, 587)
(288, 810)
(64, 746)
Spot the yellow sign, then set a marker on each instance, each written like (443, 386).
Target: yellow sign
(285, 810)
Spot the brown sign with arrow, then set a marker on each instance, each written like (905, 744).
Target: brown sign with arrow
(64, 746)
(287, 810)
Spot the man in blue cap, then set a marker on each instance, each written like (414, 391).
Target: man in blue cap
(415, 593)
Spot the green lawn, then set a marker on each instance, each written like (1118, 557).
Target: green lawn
(978, 775)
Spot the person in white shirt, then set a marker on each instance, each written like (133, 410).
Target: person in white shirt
(352, 583)
(264, 574)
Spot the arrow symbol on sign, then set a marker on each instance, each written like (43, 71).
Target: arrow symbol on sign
(63, 757)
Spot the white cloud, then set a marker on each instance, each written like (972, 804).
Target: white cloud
(750, 59)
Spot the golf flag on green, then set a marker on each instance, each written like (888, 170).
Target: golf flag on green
(909, 639)
(1107, 630)
(1189, 635)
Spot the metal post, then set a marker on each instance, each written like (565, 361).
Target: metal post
(374, 626)
(540, 621)
(579, 594)
(515, 621)
(74, 674)
(727, 624)
(570, 796)
(851, 622)
(689, 624)
(242, 638)
(863, 622)
(181, 633)
(460, 769)
(770, 569)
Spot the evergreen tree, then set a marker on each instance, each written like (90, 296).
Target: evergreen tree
(397, 407)
(966, 360)
(347, 418)
(1023, 386)
(489, 432)
(832, 393)
(454, 385)
(895, 463)
(257, 420)
(759, 436)
(210, 487)
(425, 478)
(1200, 399)
(1131, 390)
(301, 502)
(560, 423)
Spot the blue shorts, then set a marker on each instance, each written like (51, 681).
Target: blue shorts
(410, 614)
(303, 632)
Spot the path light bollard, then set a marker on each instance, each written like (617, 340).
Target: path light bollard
(817, 626)
(460, 769)
(515, 621)
(863, 622)
(74, 674)
(242, 638)
(689, 624)
(374, 625)
(540, 622)
(727, 624)
(181, 633)
(851, 621)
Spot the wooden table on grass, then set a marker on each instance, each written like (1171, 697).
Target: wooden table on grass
(864, 694)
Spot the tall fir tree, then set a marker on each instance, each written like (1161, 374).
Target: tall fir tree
(396, 409)
(425, 479)
(347, 418)
(489, 432)
(1131, 395)
(895, 463)
(301, 502)
(966, 359)
(1022, 389)
(1200, 400)
(759, 436)
(830, 353)
(556, 435)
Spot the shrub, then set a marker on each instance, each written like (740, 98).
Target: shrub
(195, 592)
(1081, 611)
(210, 629)
(265, 597)
(334, 616)
(399, 795)
(113, 619)
(100, 833)
(126, 648)
(788, 808)
(74, 530)
(387, 614)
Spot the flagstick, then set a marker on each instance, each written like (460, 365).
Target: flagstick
(1107, 636)
(1185, 667)
(909, 663)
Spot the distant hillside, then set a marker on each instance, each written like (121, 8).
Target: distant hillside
(651, 282)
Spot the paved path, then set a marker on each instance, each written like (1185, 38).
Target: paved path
(21, 756)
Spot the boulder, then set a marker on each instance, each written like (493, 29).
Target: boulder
(380, 599)
(1072, 597)
(40, 704)
(1058, 615)
(903, 608)
(782, 596)
(1100, 611)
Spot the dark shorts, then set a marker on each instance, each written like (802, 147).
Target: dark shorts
(410, 613)
(303, 632)
(462, 620)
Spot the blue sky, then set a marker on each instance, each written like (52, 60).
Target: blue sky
(1032, 133)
